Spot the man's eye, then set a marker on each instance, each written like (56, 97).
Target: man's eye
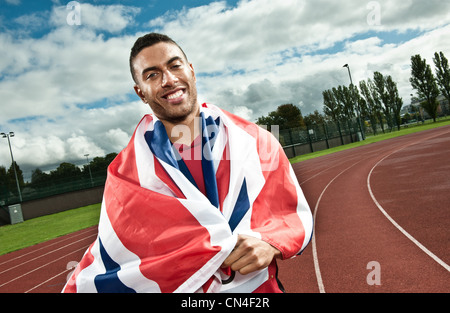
(151, 75)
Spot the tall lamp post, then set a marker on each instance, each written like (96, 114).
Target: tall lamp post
(11, 134)
(357, 105)
(89, 167)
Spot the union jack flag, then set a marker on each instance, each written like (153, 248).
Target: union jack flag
(159, 233)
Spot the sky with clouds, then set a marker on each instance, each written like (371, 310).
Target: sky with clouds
(66, 89)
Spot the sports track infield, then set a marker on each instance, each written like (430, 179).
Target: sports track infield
(381, 216)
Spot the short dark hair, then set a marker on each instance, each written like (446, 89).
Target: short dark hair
(148, 40)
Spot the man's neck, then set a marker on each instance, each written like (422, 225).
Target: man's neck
(184, 132)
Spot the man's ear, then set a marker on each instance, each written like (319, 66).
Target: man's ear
(140, 93)
(193, 72)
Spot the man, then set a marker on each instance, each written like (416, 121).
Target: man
(199, 201)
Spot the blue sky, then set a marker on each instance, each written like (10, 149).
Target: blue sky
(66, 89)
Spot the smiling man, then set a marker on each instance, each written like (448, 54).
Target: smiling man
(165, 80)
(199, 201)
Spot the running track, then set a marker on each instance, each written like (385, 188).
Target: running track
(387, 202)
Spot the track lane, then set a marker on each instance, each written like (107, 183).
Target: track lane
(351, 232)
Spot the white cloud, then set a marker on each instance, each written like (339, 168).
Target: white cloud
(66, 68)
(111, 18)
(81, 145)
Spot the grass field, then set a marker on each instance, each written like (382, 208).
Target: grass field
(30, 232)
(40, 229)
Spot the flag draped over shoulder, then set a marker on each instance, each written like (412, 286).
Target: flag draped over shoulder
(159, 233)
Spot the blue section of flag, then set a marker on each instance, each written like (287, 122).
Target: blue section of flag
(160, 145)
(210, 130)
(240, 208)
(109, 281)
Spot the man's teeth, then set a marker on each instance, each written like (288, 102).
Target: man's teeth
(175, 95)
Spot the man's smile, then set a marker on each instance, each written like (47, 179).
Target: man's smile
(174, 96)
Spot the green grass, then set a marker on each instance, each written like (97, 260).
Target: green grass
(40, 229)
(372, 139)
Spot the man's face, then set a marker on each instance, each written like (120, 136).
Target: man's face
(166, 81)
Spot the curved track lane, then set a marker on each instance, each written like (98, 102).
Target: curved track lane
(351, 231)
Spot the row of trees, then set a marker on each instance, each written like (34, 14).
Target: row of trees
(65, 172)
(68, 171)
(429, 86)
(288, 116)
(378, 100)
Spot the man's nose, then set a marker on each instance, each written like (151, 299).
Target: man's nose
(168, 79)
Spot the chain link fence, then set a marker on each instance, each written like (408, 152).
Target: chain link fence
(302, 140)
(50, 188)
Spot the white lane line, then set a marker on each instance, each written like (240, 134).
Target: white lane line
(313, 241)
(64, 238)
(53, 277)
(40, 256)
(37, 286)
(37, 268)
(404, 232)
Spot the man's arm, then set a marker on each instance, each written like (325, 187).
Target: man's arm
(250, 254)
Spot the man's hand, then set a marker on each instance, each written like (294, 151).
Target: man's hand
(250, 254)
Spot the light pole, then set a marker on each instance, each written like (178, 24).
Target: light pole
(89, 167)
(357, 105)
(349, 74)
(11, 134)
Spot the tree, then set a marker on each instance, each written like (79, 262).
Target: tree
(371, 109)
(3, 180)
(11, 182)
(333, 108)
(377, 102)
(99, 164)
(344, 95)
(395, 102)
(3, 177)
(442, 74)
(380, 87)
(388, 93)
(314, 118)
(286, 116)
(65, 171)
(38, 177)
(424, 82)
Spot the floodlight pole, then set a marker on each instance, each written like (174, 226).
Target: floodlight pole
(11, 134)
(89, 167)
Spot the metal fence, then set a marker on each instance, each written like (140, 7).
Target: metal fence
(50, 188)
(318, 137)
